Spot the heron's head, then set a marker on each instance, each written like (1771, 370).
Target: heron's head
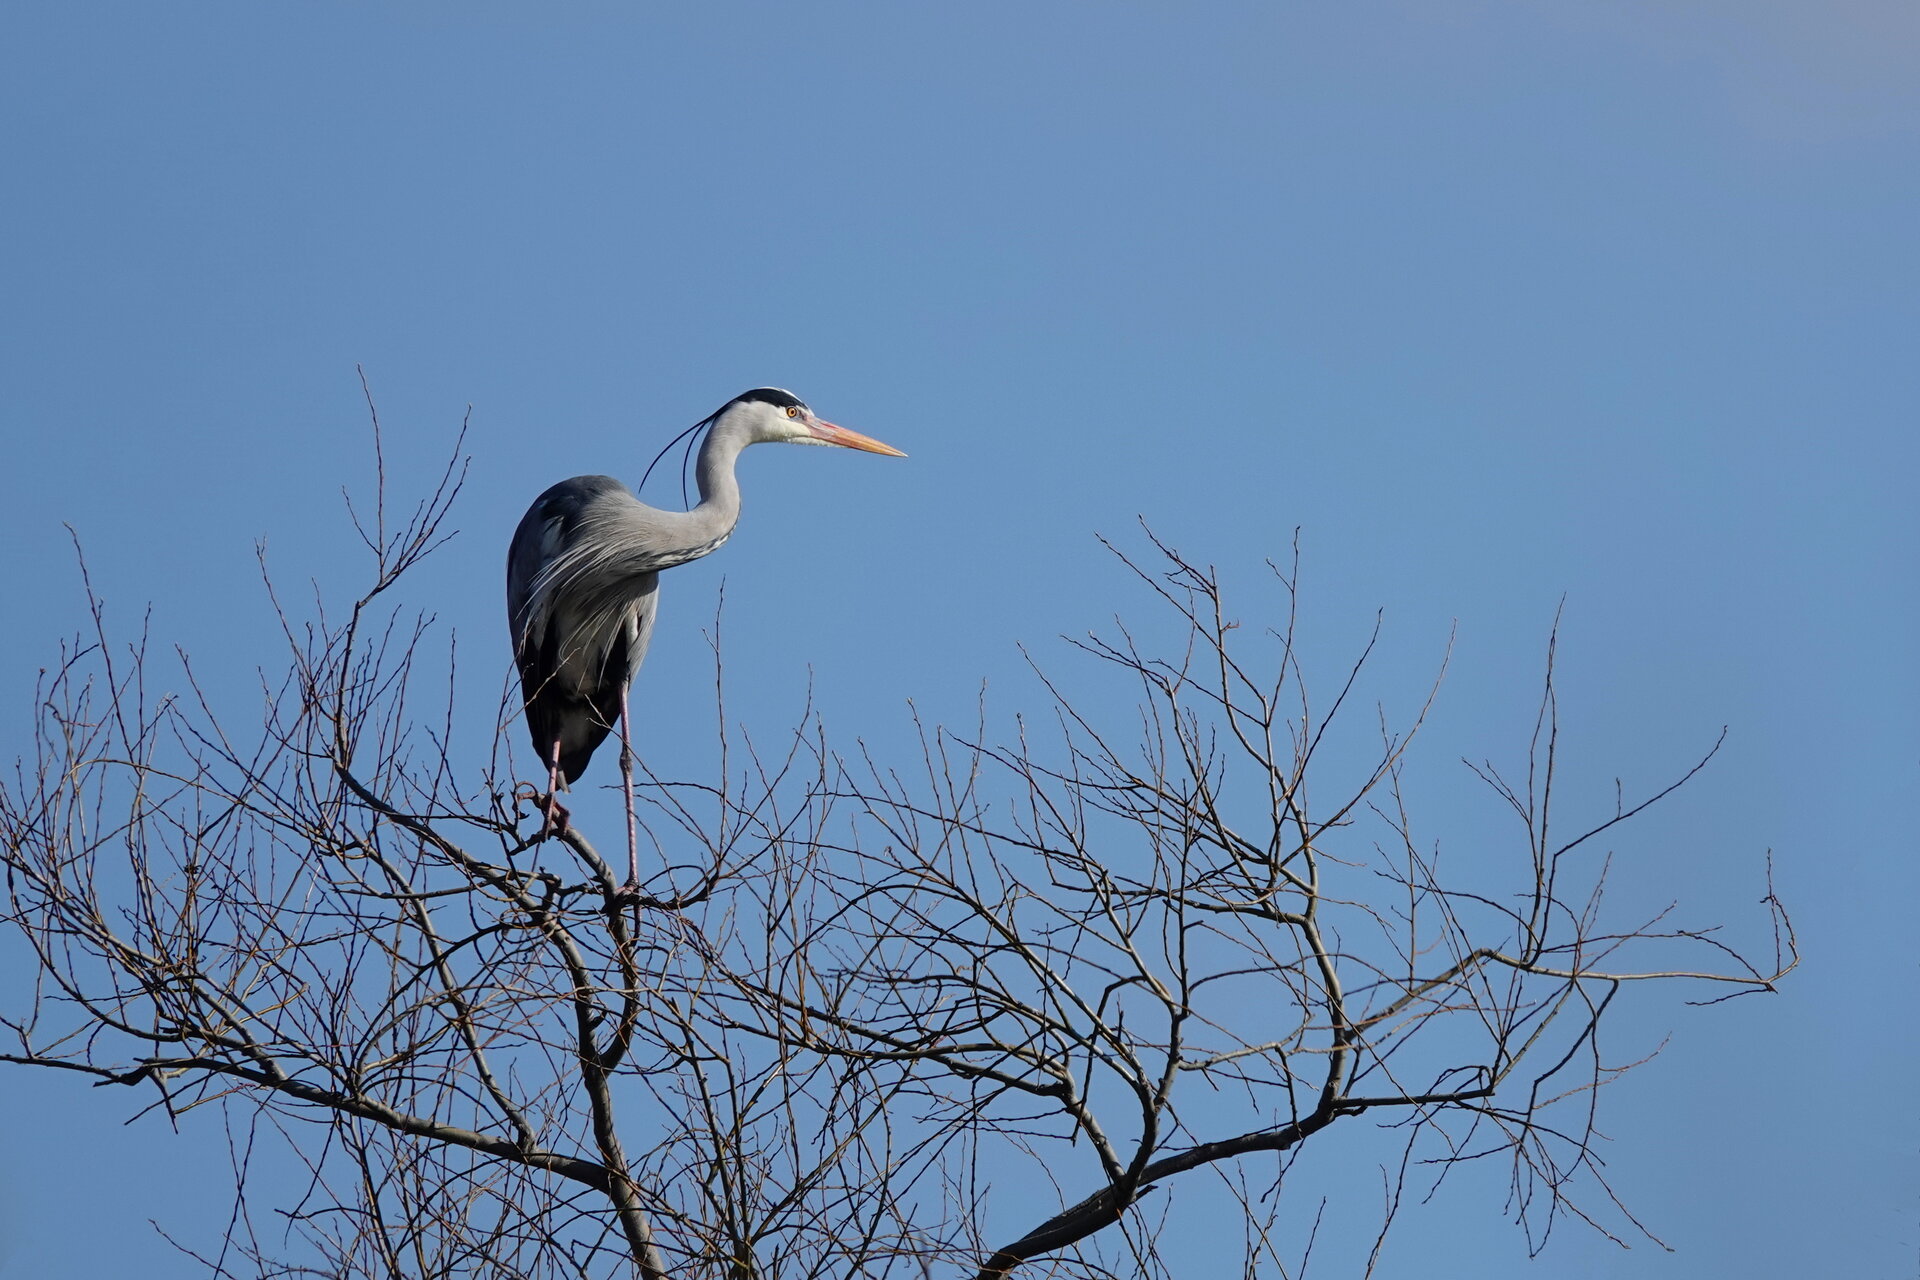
(769, 415)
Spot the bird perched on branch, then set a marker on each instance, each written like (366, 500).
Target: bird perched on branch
(582, 585)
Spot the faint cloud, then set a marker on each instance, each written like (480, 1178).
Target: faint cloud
(1787, 70)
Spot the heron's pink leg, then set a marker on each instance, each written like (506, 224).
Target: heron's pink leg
(626, 780)
(556, 812)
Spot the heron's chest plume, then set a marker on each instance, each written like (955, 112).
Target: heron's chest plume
(705, 548)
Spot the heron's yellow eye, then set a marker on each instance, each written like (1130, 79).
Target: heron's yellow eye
(792, 412)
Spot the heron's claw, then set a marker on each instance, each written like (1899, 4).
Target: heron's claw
(548, 803)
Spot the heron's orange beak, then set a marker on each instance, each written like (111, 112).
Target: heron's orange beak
(827, 433)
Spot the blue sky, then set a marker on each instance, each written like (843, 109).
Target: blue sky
(1496, 302)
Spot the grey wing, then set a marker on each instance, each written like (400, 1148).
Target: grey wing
(527, 555)
(574, 689)
(572, 672)
(550, 528)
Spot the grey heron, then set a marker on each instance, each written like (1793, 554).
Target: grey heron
(583, 585)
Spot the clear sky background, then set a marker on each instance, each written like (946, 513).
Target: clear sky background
(1497, 302)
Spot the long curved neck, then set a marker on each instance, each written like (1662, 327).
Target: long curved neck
(680, 536)
(719, 491)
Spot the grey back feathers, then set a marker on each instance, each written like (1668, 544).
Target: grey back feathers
(581, 606)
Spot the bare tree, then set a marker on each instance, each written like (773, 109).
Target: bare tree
(1145, 942)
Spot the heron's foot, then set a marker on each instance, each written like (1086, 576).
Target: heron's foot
(548, 803)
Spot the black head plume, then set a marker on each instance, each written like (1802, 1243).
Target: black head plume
(692, 436)
(774, 396)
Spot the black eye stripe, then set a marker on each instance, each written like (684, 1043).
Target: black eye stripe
(774, 396)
